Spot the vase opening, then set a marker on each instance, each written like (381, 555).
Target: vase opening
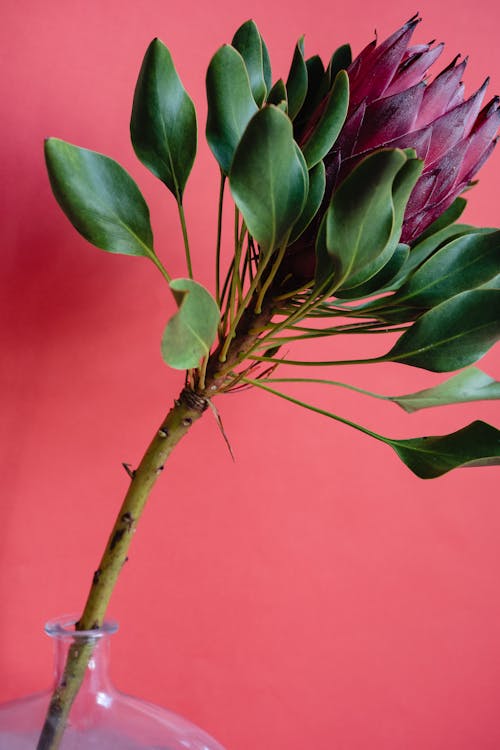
(101, 717)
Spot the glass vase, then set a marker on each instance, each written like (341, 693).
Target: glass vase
(101, 718)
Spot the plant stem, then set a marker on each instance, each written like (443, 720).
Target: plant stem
(189, 407)
(185, 238)
(219, 237)
(186, 410)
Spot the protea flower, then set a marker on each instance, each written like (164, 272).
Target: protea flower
(392, 104)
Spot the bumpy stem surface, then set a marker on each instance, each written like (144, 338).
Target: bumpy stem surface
(186, 410)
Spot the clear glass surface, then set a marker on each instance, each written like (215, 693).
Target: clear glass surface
(101, 718)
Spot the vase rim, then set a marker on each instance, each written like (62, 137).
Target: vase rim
(64, 627)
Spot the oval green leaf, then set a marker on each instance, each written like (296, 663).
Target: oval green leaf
(330, 124)
(163, 124)
(430, 457)
(340, 60)
(231, 104)
(380, 279)
(248, 42)
(268, 178)
(465, 263)
(296, 83)
(190, 333)
(452, 335)
(99, 198)
(469, 385)
(317, 184)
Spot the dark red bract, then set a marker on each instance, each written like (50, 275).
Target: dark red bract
(392, 104)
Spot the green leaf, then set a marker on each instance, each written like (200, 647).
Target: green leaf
(360, 220)
(340, 60)
(268, 178)
(99, 198)
(278, 94)
(492, 284)
(230, 104)
(163, 123)
(452, 335)
(430, 457)
(315, 78)
(317, 184)
(296, 83)
(317, 89)
(450, 216)
(248, 42)
(383, 277)
(465, 263)
(471, 384)
(478, 444)
(326, 131)
(190, 333)
(266, 65)
(403, 184)
(423, 250)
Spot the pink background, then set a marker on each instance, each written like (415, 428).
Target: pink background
(314, 594)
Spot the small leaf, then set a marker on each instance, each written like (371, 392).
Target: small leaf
(278, 94)
(190, 333)
(429, 457)
(163, 123)
(330, 124)
(452, 335)
(268, 178)
(266, 65)
(383, 277)
(423, 250)
(360, 218)
(315, 78)
(248, 42)
(99, 198)
(296, 83)
(465, 263)
(340, 60)
(469, 385)
(317, 184)
(230, 104)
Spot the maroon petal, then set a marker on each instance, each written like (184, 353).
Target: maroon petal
(346, 142)
(359, 64)
(415, 49)
(332, 167)
(479, 140)
(420, 194)
(414, 70)
(457, 96)
(454, 125)
(438, 94)
(379, 66)
(418, 139)
(466, 178)
(417, 224)
(388, 118)
(447, 171)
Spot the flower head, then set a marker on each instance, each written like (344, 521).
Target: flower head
(392, 105)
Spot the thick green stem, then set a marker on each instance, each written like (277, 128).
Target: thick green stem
(186, 410)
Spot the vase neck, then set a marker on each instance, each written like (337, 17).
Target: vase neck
(97, 642)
